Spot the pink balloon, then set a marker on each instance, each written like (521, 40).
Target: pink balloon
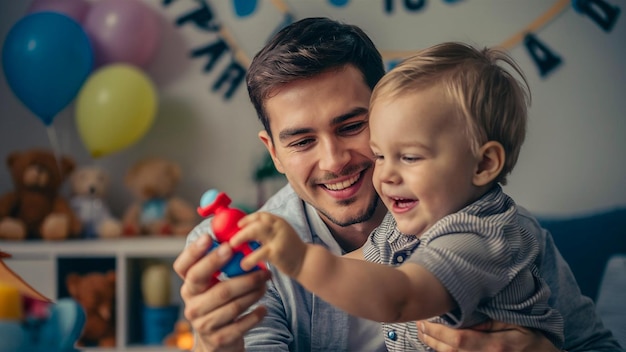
(123, 31)
(75, 9)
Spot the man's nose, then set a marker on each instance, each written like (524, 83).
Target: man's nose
(334, 156)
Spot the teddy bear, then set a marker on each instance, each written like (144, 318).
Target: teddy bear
(95, 292)
(156, 210)
(35, 209)
(89, 185)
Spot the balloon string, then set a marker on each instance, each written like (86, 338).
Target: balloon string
(56, 147)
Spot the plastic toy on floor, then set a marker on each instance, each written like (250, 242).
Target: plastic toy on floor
(31, 322)
(224, 225)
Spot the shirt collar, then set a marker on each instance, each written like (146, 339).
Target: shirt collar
(319, 228)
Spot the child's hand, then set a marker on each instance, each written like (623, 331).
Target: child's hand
(280, 244)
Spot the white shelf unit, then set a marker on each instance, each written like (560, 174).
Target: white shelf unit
(39, 263)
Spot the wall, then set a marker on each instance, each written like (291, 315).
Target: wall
(572, 161)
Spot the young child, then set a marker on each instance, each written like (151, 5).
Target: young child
(446, 128)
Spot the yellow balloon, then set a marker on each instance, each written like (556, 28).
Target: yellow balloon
(115, 108)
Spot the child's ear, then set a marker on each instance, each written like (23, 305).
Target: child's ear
(491, 162)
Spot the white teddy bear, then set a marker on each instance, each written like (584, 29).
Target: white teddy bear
(89, 185)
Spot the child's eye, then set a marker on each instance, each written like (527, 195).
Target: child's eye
(411, 158)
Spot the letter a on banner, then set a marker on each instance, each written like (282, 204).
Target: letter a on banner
(602, 13)
(546, 60)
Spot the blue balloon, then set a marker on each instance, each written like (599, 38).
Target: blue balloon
(244, 8)
(46, 57)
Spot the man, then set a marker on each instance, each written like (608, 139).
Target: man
(311, 86)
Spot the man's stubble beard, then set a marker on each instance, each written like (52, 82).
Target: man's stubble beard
(365, 216)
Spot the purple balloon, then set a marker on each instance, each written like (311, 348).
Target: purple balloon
(123, 31)
(75, 9)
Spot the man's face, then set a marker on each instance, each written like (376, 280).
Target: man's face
(321, 143)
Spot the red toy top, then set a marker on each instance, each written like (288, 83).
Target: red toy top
(224, 224)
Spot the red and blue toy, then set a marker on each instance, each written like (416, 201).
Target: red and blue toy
(224, 226)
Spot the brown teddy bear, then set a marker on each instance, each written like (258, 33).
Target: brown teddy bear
(89, 187)
(156, 210)
(35, 209)
(95, 292)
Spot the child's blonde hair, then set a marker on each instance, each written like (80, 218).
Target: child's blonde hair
(493, 102)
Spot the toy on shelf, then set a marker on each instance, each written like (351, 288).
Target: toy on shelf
(156, 210)
(155, 285)
(159, 314)
(31, 322)
(89, 186)
(95, 292)
(35, 209)
(224, 226)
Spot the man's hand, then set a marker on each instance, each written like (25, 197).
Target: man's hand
(492, 336)
(212, 307)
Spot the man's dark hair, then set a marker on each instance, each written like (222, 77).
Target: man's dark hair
(305, 49)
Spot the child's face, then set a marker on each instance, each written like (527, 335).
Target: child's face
(424, 166)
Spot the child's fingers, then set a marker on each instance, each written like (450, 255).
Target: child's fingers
(248, 219)
(259, 216)
(246, 234)
(253, 258)
(254, 231)
(238, 239)
(247, 264)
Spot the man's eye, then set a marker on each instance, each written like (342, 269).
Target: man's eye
(302, 143)
(353, 128)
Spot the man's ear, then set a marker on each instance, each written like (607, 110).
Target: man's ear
(491, 162)
(267, 140)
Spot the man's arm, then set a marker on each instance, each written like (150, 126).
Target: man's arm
(584, 330)
(274, 332)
